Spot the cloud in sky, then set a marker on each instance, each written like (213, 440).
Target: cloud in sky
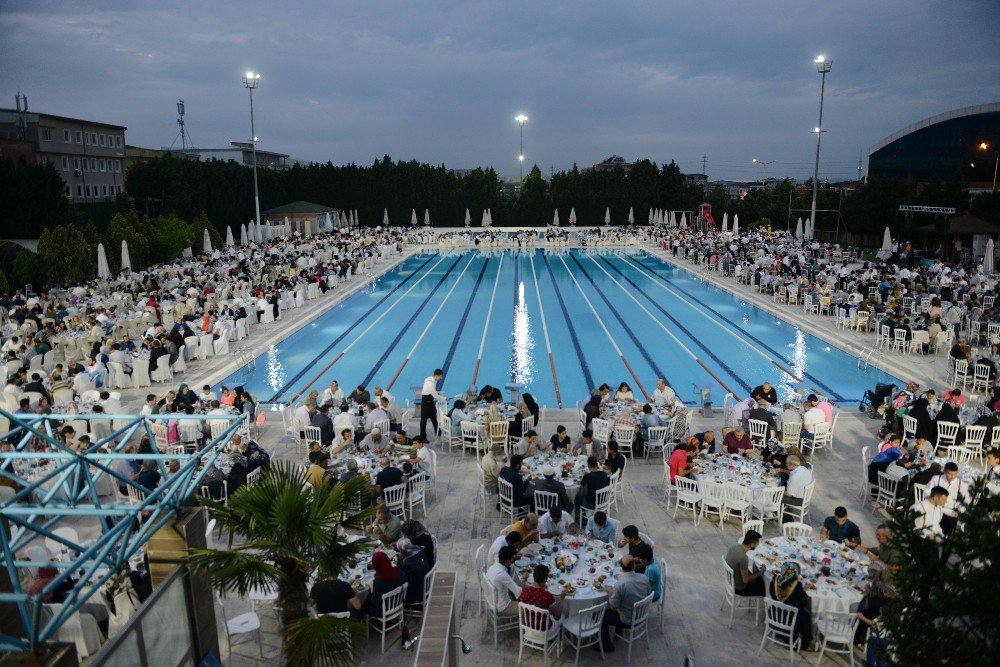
(441, 80)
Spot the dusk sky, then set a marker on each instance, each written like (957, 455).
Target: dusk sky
(440, 81)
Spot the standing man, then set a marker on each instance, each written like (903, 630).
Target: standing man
(428, 407)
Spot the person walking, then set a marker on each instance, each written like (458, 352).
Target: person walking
(428, 406)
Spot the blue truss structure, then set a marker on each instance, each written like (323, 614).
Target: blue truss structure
(71, 489)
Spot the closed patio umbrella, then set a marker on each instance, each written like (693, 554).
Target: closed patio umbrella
(572, 217)
(103, 271)
(736, 224)
(885, 252)
(798, 229)
(229, 237)
(607, 216)
(988, 258)
(555, 218)
(206, 243)
(631, 216)
(126, 260)
(413, 217)
(725, 223)
(468, 218)
(427, 218)
(385, 217)
(486, 218)
(808, 230)
(244, 239)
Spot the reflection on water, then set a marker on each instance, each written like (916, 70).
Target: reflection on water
(522, 364)
(797, 362)
(276, 375)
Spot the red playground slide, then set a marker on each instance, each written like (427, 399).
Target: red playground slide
(705, 213)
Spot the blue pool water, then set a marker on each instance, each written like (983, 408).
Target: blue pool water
(652, 320)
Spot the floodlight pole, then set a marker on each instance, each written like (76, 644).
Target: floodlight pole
(822, 66)
(251, 81)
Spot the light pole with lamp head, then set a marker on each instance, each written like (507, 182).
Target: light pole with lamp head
(521, 119)
(823, 67)
(996, 162)
(763, 170)
(251, 81)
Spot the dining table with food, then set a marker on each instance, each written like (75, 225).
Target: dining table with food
(579, 565)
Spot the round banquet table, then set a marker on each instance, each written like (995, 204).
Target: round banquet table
(837, 591)
(591, 566)
(569, 469)
(734, 469)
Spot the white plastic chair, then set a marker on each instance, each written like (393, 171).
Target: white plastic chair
(836, 628)
(766, 504)
(602, 431)
(687, 497)
(602, 503)
(470, 437)
(417, 494)
(713, 499)
(507, 501)
(758, 433)
(241, 625)
(624, 436)
(779, 627)
(392, 613)
(738, 502)
(180, 366)
(887, 489)
(584, 629)
(544, 501)
(656, 439)
(732, 599)
(395, 500)
(756, 525)
(538, 631)
(796, 529)
(490, 596)
(639, 627)
(798, 512)
(947, 434)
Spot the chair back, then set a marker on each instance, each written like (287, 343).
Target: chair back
(758, 430)
(947, 433)
(394, 498)
(498, 432)
(790, 433)
(590, 619)
(712, 490)
(534, 623)
(779, 617)
(624, 434)
(528, 423)
(657, 435)
(771, 496)
(602, 430)
(757, 525)
(545, 500)
(312, 434)
(392, 604)
(981, 373)
(470, 434)
(640, 614)
(383, 426)
(975, 435)
(796, 529)
(602, 499)
(887, 487)
(685, 485)
(252, 477)
(217, 427)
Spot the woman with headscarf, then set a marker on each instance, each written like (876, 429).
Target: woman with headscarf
(185, 396)
(786, 588)
(920, 410)
(387, 579)
(416, 547)
(593, 408)
(457, 415)
(948, 414)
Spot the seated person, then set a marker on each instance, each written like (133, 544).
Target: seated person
(737, 441)
(537, 595)
(646, 563)
(555, 522)
(560, 441)
(333, 595)
(550, 484)
(529, 445)
(840, 529)
(746, 583)
(593, 481)
(705, 442)
(387, 579)
(786, 588)
(386, 527)
(680, 462)
(602, 527)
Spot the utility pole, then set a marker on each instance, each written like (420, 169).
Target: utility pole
(704, 164)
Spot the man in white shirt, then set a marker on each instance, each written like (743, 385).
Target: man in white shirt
(992, 476)
(555, 522)
(428, 406)
(344, 419)
(957, 490)
(375, 415)
(381, 393)
(511, 539)
(302, 417)
(929, 513)
(394, 411)
(663, 395)
(333, 394)
(507, 590)
(799, 477)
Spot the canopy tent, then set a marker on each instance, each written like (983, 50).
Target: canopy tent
(126, 260)
(103, 271)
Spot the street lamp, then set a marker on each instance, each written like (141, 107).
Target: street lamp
(521, 118)
(250, 81)
(996, 162)
(823, 67)
(763, 170)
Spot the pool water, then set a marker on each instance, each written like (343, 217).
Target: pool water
(609, 315)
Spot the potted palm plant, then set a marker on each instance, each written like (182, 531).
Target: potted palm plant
(290, 530)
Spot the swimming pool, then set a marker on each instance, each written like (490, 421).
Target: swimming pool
(559, 322)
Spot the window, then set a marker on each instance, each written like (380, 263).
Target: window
(76, 163)
(105, 188)
(102, 163)
(118, 142)
(66, 136)
(65, 163)
(118, 166)
(102, 139)
(79, 137)
(87, 190)
(79, 190)
(46, 135)
(111, 189)
(93, 164)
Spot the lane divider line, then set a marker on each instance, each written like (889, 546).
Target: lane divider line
(580, 357)
(625, 327)
(728, 325)
(430, 322)
(365, 332)
(607, 333)
(465, 317)
(295, 378)
(678, 324)
(662, 326)
(545, 330)
(489, 315)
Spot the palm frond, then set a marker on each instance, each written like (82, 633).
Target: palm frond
(234, 571)
(324, 640)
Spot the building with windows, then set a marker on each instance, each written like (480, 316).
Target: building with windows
(941, 146)
(89, 155)
(242, 152)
